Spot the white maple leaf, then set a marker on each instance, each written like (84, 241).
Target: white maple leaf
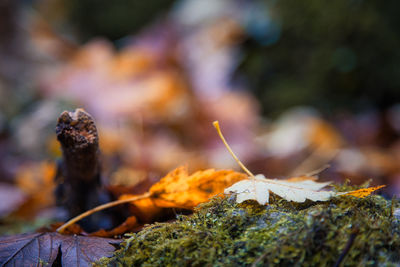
(258, 188)
(296, 189)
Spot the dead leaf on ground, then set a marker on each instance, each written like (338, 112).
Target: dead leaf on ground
(145, 209)
(41, 249)
(178, 189)
(128, 225)
(297, 190)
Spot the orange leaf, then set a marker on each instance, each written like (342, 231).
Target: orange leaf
(126, 226)
(361, 193)
(178, 189)
(145, 209)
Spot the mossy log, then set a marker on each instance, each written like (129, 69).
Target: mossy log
(345, 231)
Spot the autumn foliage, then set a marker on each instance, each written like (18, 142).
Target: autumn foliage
(178, 189)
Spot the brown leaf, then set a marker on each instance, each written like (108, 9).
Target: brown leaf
(41, 249)
(74, 229)
(126, 226)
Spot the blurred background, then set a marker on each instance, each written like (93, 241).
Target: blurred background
(296, 85)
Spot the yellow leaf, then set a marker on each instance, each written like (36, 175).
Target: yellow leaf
(178, 189)
(361, 193)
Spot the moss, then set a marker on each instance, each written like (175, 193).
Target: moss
(222, 233)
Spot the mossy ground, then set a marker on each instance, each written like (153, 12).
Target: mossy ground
(364, 232)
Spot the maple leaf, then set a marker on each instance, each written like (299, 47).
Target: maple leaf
(297, 189)
(179, 189)
(258, 188)
(42, 249)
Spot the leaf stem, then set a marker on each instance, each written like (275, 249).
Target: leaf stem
(99, 208)
(216, 125)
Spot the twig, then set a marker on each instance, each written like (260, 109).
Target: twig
(99, 208)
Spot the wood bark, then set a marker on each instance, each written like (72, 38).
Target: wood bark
(79, 173)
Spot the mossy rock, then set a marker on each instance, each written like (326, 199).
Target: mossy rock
(345, 230)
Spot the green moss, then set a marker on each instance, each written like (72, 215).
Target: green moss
(223, 233)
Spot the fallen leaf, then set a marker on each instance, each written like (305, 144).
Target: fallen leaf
(145, 209)
(128, 225)
(41, 249)
(178, 189)
(74, 229)
(125, 227)
(361, 193)
(297, 190)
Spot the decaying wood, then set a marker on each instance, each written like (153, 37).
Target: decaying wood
(78, 136)
(78, 177)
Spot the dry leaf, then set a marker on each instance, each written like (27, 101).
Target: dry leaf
(145, 209)
(178, 189)
(297, 190)
(128, 225)
(42, 249)
(361, 193)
